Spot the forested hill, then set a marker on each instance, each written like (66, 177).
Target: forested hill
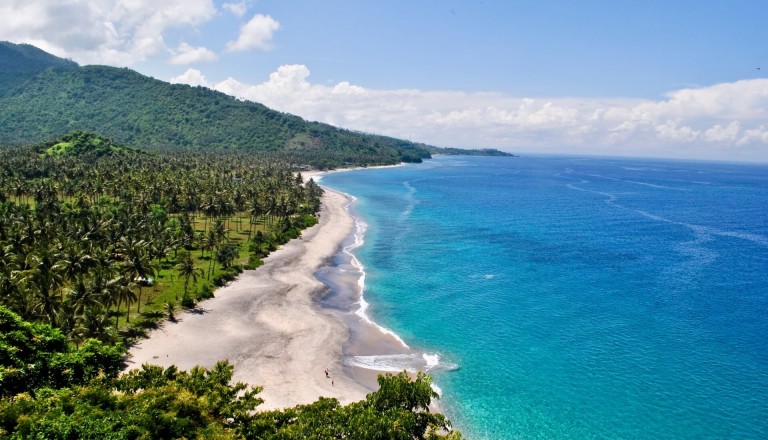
(55, 97)
(24, 58)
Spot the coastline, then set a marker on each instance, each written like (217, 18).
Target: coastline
(270, 325)
(283, 324)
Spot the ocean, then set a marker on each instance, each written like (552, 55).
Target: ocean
(570, 297)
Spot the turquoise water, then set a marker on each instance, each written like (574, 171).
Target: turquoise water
(579, 297)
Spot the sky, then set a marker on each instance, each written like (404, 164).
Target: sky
(674, 79)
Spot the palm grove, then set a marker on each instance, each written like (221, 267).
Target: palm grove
(98, 242)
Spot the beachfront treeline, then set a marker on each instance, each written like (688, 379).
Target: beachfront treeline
(98, 242)
(51, 390)
(89, 230)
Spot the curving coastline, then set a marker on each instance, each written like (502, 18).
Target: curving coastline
(269, 324)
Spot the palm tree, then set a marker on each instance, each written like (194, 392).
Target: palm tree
(120, 292)
(170, 309)
(187, 269)
(137, 264)
(43, 279)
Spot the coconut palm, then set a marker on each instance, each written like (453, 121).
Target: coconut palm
(187, 269)
(137, 263)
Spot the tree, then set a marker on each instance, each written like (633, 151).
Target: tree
(43, 279)
(227, 255)
(37, 355)
(187, 269)
(137, 263)
(398, 410)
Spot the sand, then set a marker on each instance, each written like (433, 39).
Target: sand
(269, 325)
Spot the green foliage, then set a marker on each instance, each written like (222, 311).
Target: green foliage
(81, 143)
(27, 58)
(153, 402)
(143, 112)
(398, 410)
(50, 390)
(33, 356)
(227, 255)
(188, 302)
(81, 234)
(468, 152)
(148, 403)
(206, 292)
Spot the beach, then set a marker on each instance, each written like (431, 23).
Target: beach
(269, 324)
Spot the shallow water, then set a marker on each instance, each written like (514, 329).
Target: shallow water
(572, 297)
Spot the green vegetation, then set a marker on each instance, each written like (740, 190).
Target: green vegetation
(81, 143)
(53, 97)
(101, 239)
(468, 152)
(52, 391)
(94, 234)
(34, 355)
(96, 247)
(58, 97)
(21, 58)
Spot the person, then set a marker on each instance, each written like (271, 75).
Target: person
(326, 373)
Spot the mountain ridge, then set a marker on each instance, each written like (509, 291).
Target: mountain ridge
(144, 112)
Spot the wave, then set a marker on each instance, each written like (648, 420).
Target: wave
(637, 182)
(411, 202)
(394, 363)
(612, 198)
(708, 230)
(360, 228)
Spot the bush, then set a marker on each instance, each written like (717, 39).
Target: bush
(253, 262)
(205, 292)
(188, 302)
(224, 278)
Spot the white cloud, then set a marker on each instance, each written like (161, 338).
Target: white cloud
(187, 54)
(256, 34)
(723, 134)
(193, 77)
(755, 135)
(236, 8)
(115, 32)
(702, 122)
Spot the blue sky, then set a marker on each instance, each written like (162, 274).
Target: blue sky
(652, 78)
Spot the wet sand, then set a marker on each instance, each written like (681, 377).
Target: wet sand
(270, 325)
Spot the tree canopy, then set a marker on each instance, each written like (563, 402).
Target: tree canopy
(52, 391)
(82, 230)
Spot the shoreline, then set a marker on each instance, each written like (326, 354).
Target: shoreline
(283, 324)
(270, 325)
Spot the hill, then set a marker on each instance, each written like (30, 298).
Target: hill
(25, 58)
(81, 143)
(139, 111)
(52, 96)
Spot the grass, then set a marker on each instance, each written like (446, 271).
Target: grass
(168, 286)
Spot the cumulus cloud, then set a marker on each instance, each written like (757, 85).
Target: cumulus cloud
(236, 8)
(256, 34)
(692, 122)
(115, 32)
(187, 54)
(192, 77)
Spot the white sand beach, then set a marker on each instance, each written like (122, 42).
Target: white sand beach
(268, 323)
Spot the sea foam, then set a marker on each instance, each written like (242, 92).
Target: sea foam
(360, 228)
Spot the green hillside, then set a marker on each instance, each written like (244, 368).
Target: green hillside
(139, 111)
(25, 58)
(81, 143)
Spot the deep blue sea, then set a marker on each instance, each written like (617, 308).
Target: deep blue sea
(577, 297)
